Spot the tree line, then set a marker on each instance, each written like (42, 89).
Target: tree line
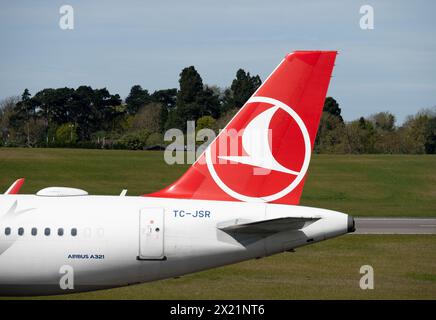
(377, 133)
(95, 118)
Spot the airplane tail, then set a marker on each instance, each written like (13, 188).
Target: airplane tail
(263, 154)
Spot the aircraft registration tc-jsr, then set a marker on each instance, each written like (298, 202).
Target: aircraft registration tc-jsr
(231, 205)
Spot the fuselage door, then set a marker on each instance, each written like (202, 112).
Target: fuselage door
(151, 234)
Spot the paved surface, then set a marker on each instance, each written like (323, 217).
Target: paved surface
(395, 225)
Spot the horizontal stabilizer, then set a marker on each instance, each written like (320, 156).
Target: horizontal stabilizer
(15, 187)
(266, 226)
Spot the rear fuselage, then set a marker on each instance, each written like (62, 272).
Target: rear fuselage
(103, 241)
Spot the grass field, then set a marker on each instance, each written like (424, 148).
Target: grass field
(370, 185)
(404, 268)
(365, 185)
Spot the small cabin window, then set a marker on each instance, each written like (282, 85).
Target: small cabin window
(74, 232)
(20, 231)
(60, 232)
(7, 231)
(34, 231)
(47, 231)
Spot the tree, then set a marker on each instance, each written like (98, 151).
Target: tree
(242, 88)
(387, 137)
(384, 121)
(148, 118)
(187, 107)
(331, 106)
(331, 133)
(368, 135)
(135, 141)
(108, 108)
(209, 103)
(25, 113)
(225, 118)
(163, 119)
(28, 128)
(430, 143)
(227, 102)
(91, 110)
(191, 86)
(360, 136)
(193, 100)
(155, 139)
(331, 128)
(136, 99)
(53, 107)
(413, 134)
(7, 113)
(66, 134)
(94, 110)
(166, 97)
(172, 121)
(206, 122)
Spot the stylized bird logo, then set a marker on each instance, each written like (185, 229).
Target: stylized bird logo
(255, 141)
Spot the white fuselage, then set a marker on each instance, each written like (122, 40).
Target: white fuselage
(128, 240)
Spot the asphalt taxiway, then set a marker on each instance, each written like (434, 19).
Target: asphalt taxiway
(395, 225)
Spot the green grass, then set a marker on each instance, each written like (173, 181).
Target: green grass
(373, 185)
(370, 185)
(404, 268)
(366, 185)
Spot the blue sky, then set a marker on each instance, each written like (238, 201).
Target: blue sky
(117, 44)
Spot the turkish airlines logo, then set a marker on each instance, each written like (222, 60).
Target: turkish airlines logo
(273, 156)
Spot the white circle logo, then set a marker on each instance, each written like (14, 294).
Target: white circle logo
(253, 159)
